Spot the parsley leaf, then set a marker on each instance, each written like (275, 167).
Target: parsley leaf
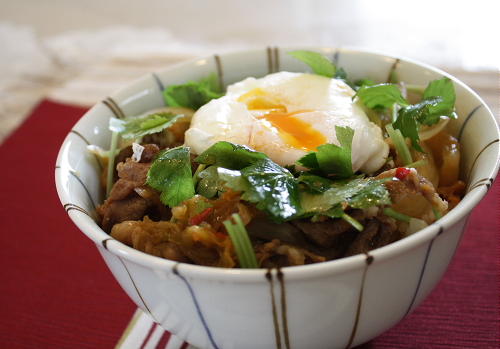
(408, 125)
(331, 159)
(438, 100)
(272, 188)
(363, 82)
(315, 184)
(193, 94)
(209, 184)
(442, 88)
(229, 155)
(357, 193)
(138, 127)
(316, 61)
(170, 173)
(380, 96)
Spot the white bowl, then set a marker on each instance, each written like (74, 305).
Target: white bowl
(336, 304)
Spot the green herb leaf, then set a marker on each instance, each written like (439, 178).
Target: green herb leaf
(443, 89)
(396, 215)
(233, 179)
(229, 155)
(134, 128)
(331, 159)
(272, 188)
(400, 144)
(193, 94)
(358, 226)
(315, 184)
(209, 184)
(241, 242)
(380, 96)
(310, 161)
(410, 118)
(357, 193)
(438, 100)
(373, 193)
(341, 74)
(363, 82)
(170, 173)
(316, 61)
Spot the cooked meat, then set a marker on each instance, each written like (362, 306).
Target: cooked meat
(452, 193)
(113, 212)
(329, 232)
(150, 238)
(129, 198)
(220, 210)
(133, 171)
(375, 234)
(414, 195)
(264, 229)
(174, 135)
(194, 244)
(123, 155)
(275, 254)
(121, 190)
(149, 152)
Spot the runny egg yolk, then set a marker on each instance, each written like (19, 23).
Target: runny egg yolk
(297, 133)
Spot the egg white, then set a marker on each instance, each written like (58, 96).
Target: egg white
(320, 102)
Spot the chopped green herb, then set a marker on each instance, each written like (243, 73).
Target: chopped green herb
(358, 226)
(241, 242)
(229, 155)
(196, 174)
(417, 164)
(380, 96)
(310, 161)
(200, 206)
(316, 61)
(396, 215)
(373, 193)
(437, 214)
(209, 184)
(363, 82)
(314, 183)
(410, 118)
(193, 94)
(341, 74)
(438, 100)
(443, 89)
(272, 188)
(134, 128)
(170, 173)
(331, 159)
(357, 193)
(400, 144)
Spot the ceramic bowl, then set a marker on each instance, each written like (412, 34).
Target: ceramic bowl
(336, 304)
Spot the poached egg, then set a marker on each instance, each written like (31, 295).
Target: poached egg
(286, 115)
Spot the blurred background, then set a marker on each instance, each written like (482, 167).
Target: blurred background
(77, 52)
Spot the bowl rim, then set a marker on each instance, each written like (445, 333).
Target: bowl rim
(338, 266)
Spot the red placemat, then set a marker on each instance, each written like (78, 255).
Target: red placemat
(56, 292)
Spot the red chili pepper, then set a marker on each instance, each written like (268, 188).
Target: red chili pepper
(200, 217)
(402, 173)
(220, 235)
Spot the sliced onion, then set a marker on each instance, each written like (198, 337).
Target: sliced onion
(137, 149)
(427, 132)
(415, 225)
